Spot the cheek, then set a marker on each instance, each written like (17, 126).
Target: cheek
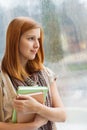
(24, 46)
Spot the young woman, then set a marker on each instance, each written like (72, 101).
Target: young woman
(22, 65)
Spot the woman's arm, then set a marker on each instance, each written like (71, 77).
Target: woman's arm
(17, 126)
(57, 112)
(38, 122)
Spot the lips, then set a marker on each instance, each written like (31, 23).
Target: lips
(34, 51)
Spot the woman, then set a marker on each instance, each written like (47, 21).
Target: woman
(22, 65)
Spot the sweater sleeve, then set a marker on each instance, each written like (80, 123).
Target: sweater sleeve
(51, 75)
(1, 101)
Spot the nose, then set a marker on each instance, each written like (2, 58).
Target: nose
(36, 44)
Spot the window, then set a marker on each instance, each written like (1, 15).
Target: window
(65, 27)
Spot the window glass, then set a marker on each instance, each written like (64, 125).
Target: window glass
(65, 44)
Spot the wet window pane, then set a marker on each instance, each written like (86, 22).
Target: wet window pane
(65, 44)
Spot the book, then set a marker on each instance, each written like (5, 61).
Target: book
(37, 92)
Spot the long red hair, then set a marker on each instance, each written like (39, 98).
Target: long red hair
(10, 62)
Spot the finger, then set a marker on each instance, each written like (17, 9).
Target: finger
(18, 102)
(22, 97)
(18, 108)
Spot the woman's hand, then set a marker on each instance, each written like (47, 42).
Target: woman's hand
(26, 104)
(40, 121)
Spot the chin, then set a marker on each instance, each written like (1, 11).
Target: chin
(32, 58)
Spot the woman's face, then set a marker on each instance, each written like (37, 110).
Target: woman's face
(29, 45)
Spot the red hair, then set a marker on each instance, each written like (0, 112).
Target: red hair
(10, 62)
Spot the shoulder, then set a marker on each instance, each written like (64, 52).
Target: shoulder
(51, 75)
(0, 73)
(0, 77)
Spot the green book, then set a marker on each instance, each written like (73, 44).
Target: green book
(37, 92)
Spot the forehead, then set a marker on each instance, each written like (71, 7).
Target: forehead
(35, 32)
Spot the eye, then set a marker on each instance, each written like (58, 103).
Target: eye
(30, 38)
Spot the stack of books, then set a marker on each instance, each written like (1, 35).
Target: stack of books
(37, 92)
